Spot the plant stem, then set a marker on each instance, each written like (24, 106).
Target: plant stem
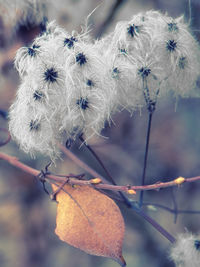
(106, 171)
(175, 206)
(74, 181)
(146, 155)
(157, 226)
(88, 169)
(98, 159)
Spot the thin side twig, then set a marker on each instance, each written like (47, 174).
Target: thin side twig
(3, 143)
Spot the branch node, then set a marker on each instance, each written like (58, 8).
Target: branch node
(54, 194)
(41, 176)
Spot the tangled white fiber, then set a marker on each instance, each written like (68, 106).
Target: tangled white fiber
(71, 85)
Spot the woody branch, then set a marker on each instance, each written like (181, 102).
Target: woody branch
(100, 184)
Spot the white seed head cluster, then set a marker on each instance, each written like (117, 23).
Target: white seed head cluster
(155, 52)
(71, 85)
(186, 251)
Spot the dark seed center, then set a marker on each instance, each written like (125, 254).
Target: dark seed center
(51, 75)
(144, 71)
(90, 82)
(197, 244)
(34, 125)
(81, 59)
(171, 45)
(32, 50)
(133, 30)
(69, 42)
(172, 27)
(82, 103)
(38, 95)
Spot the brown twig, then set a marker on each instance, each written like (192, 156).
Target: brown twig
(52, 178)
(85, 167)
(74, 181)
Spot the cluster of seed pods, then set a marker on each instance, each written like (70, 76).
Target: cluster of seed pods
(71, 85)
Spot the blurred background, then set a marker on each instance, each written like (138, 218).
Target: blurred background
(27, 215)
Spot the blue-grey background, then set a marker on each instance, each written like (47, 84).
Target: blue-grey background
(27, 216)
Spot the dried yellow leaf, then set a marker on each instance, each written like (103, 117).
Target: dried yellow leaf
(90, 221)
(179, 180)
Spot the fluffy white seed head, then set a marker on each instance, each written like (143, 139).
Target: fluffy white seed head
(122, 74)
(35, 116)
(159, 48)
(89, 94)
(186, 251)
(72, 86)
(45, 47)
(26, 58)
(33, 131)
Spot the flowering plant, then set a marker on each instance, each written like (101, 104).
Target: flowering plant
(71, 87)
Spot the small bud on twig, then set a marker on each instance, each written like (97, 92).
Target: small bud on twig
(131, 192)
(179, 180)
(95, 181)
